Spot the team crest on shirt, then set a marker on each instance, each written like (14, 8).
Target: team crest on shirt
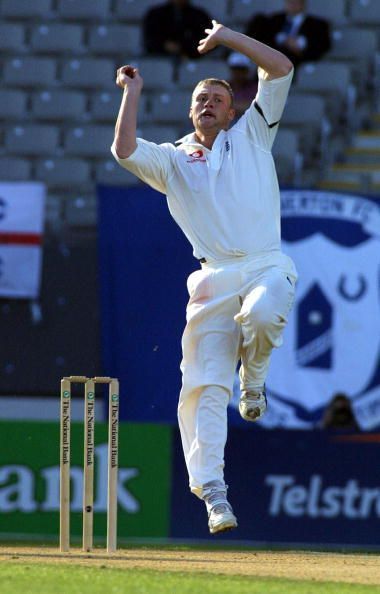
(197, 157)
(332, 340)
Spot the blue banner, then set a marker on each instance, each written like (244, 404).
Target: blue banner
(144, 262)
(290, 487)
(332, 341)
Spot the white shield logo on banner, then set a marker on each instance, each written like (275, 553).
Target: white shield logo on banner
(332, 341)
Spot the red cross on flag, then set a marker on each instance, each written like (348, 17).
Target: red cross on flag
(21, 231)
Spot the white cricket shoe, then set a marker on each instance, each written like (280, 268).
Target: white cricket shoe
(221, 518)
(253, 404)
(220, 515)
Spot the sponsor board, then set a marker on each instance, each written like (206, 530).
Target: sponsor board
(29, 479)
(291, 487)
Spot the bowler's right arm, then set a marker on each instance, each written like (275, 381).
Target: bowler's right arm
(151, 162)
(128, 79)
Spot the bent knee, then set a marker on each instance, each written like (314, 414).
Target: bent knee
(261, 319)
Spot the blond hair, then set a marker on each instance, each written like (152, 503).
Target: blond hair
(217, 81)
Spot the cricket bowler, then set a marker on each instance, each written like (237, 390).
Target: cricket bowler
(222, 190)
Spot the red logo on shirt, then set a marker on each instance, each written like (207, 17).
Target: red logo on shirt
(197, 157)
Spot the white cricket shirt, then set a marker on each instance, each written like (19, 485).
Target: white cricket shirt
(226, 200)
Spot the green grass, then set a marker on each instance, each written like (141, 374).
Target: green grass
(30, 578)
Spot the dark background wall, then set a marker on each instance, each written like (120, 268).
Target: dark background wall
(59, 334)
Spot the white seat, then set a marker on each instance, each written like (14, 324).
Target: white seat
(81, 211)
(23, 10)
(358, 47)
(11, 37)
(105, 105)
(217, 9)
(156, 72)
(305, 113)
(365, 12)
(32, 139)
(88, 73)
(58, 105)
(63, 172)
(190, 73)
(29, 72)
(303, 109)
(89, 141)
(323, 77)
(14, 169)
(331, 80)
(115, 39)
(158, 134)
(287, 156)
(353, 43)
(333, 11)
(87, 10)
(244, 10)
(133, 10)
(57, 37)
(110, 173)
(171, 107)
(12, 104)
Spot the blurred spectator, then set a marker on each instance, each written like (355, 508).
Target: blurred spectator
(175, 29)
(300, 36)
(339, 414)
(243, 83)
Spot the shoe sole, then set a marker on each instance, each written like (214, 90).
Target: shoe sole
(252, 414)
(223, 526)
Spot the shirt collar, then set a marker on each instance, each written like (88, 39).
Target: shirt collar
(189, 139)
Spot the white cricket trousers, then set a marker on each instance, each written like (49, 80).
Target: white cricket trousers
(237, 309)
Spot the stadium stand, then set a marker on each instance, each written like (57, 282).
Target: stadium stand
(288, 157)
(170, 108)
(57, 38)
(63, 173)
(243, 10)
(58, 105)
(26, 10)
(109, 173)
(133, 10)
(29, 72)
(330, 80)
(12, 104)
(31, 140)
(104, 106)
(191, 72)
(217, 8)
(158, 73)
(109, 39)
(158, 133)
(11, 37)
(365, 12)
(335, 12)
(306, 114)
(88, 73)
(89, 140)
(59, 100)
(87, 10)
(15, 169)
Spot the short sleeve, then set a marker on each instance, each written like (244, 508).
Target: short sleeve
(265, 112)
(150, 162)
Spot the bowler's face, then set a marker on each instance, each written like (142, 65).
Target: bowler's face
(211, 108)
